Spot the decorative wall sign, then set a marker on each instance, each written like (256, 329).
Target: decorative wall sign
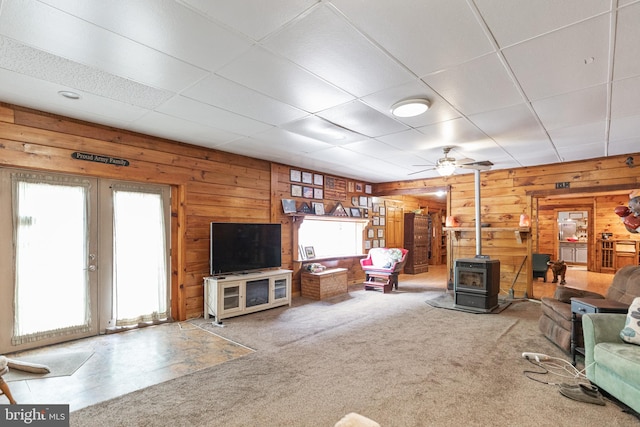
(335, 188)
(107, 160)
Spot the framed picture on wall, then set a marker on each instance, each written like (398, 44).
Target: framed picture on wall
(296, 190)
(370, 233)
(307, 192)
(317, 193)
(307, 177)
(355, 212)
(367, 189)
(380, 232)
(318, 208)
(318, 179)
(294, 175)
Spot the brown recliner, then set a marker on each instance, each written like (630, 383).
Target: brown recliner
(555, 321)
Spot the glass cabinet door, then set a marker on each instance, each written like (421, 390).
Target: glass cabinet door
(230, 298)
(280, 288)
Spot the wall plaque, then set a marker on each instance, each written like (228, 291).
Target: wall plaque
(335, 188)
(98, 158)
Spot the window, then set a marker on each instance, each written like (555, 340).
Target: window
(332, 238)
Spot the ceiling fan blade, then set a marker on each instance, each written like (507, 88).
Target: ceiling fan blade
(464, 161)
(423, 170)
(481, 166)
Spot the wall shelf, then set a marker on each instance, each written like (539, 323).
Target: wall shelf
(299, 217)
(520, 233)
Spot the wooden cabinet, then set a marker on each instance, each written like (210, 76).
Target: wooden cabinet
(615, 254)
(417, 240)
(237, 294)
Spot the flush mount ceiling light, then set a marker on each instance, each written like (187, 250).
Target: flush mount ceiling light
(410, 107)
(68, 94)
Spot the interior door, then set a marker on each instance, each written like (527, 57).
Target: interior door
(394, 225)
(48, 236)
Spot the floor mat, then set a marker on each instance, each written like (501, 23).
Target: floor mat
(445, 300)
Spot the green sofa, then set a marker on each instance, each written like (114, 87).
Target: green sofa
(611, 364)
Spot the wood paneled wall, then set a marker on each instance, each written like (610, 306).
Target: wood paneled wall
(505, 194)
(209, 185)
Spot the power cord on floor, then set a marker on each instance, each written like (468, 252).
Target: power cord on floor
(578, 387)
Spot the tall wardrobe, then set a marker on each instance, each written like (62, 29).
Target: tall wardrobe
(417, 240)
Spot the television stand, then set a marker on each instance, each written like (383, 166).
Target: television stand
(244, 293)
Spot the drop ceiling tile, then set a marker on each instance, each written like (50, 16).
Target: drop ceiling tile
(363, 119)
(586, 151)
(570, 109)
(255, 18)
(454, 132)
(624, 97)
(424, 35)
(516, 20)
(532, 156)
(325, 44)
(624, 128)
(162, 25)
(43, 27)
(627, 42)
(412, 141)
(289, 141)
(231, 96)
(208, 115)
(624, 146)
(322, 130)
(439, 111)
(575, 136)
(182, 130)
(40, 94)
(382, 151)
(509, 123)
(560, 62)
(476, 86)
(276, 77)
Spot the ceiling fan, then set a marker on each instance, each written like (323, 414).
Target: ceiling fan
(447, 165)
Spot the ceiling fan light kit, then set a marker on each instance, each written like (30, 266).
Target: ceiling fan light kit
(410, 107)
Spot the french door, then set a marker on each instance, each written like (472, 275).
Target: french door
(79, 256)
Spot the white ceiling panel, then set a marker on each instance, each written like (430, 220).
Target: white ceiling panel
(53, 31)
(625, 96)
(426, 35)
(563, 61)
(573, 108)
(476, 86)
(254, 18)
(228, 95)
(208, 115)
(310, 83)
(363, 119)
(163, 25)
(283, 80)
(322, 39)
(514, 21)
(627, 42)
(166, 126)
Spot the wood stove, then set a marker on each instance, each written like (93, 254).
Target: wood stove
(476, 283)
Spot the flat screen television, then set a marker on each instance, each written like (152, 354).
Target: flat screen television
(244, 247)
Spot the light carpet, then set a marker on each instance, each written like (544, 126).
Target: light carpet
(60, 365)
(389, 357)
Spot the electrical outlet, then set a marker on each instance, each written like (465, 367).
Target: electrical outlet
(560, 185)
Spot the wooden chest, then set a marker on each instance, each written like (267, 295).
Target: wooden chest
(324, 284)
